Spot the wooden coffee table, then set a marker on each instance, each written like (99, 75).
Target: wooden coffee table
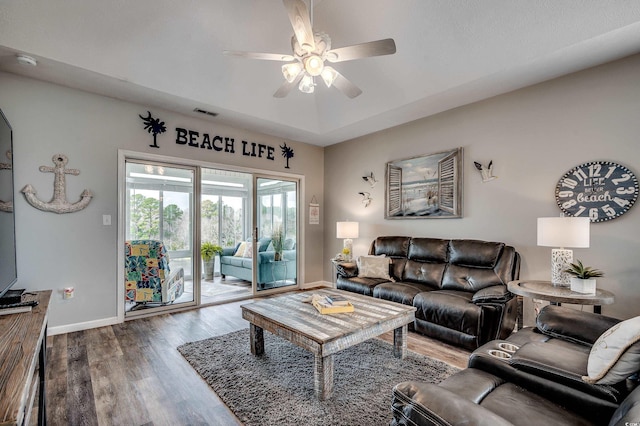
(323, 335)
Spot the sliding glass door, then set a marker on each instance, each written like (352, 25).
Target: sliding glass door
(197, 235)
(276, 230)
(159, 241)
(225, 226)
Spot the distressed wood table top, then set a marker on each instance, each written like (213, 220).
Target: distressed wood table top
(546, 291)
(289, 317)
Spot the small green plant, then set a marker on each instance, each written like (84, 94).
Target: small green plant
(208, 250)
(578, 270)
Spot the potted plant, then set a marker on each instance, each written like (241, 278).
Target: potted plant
(208, 250)
(277, 239)
(583, 278)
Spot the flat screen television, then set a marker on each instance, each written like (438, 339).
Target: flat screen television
(8, 266)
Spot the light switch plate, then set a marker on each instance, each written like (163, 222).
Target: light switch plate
(106, 219)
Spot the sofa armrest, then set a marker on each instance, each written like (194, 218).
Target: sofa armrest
(347, 269)
(574, 326)
(420, 403)
(492, 294)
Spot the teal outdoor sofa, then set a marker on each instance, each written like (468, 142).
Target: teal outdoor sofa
(268, 270)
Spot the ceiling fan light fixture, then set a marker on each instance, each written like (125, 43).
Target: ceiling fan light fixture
(291, 71)
(329, 75)
(306, 84)
(313, 65)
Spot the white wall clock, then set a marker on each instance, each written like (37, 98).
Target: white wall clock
(599, 190)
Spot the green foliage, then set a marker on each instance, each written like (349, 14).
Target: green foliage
(578, 270)
(277, 238)
(208, 250)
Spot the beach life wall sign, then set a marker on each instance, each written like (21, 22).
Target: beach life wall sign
(195, 139)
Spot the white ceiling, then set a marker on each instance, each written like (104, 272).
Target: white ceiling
(168, 54)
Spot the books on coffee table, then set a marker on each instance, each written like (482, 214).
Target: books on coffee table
(325, 306)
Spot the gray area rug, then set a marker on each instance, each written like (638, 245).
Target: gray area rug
(277, 388)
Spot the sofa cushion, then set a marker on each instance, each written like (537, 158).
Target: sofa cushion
(289, 244)
(428, 250)
(263, 243)
(248, 250)
(450, 309)
(457, 277)
(390, 246)
(240, 249)
(474, 253)
(425, 273)
(360, 285)
(403, 292)
(374, 267)
(616, 354)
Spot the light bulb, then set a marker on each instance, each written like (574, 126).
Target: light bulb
(291, 71)
(306, 84)
(314, 65)
(329, 75)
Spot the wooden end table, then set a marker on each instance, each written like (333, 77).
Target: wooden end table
(323, 335)
(557, 295)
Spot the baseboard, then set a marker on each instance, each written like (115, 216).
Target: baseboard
(70, 328)
(316, 284)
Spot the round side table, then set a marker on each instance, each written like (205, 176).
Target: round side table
(557, 295)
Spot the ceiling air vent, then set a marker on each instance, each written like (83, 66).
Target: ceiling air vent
(201, 111)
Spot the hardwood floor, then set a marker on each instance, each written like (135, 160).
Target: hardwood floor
(132, 374)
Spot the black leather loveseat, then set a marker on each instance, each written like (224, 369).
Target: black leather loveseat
(459, 287)
(573, 368)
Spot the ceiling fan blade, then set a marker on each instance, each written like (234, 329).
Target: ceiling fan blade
(301, 23)
(363, 50)
(346, 87)
(256, 55)
(287, 86)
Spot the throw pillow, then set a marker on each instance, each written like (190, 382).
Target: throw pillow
(616, 354)
(240, 251)
(374, 267)
(248, 250)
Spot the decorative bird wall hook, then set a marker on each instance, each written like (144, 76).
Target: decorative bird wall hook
(58, 203)
(371, 179)
(366, 198)
(486, 172)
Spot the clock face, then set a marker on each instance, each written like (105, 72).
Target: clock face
(599, 190)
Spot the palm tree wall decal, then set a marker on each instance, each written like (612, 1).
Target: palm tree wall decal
(153, 126)
(287, 153)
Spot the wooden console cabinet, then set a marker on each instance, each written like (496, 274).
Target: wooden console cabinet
(23, 348)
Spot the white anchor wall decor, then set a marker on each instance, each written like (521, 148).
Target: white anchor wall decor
(6, 206)
(58, 203)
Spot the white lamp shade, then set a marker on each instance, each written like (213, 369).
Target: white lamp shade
(563, 232)
(347, 229)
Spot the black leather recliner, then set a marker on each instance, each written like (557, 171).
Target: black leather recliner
(459, 287)
(533, 377)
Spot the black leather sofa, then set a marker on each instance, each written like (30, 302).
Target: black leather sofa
(539, 381)
(459, 287)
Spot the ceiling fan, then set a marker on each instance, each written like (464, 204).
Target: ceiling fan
(311, 51)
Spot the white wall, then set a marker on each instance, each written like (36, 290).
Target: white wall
(533, 136)
(56, 251)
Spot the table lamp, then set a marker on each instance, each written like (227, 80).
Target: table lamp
(562, 232)
(348, 231)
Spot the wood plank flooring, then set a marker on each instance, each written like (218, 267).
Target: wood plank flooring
(132, 374)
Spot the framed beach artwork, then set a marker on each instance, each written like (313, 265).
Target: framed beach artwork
(425, 187)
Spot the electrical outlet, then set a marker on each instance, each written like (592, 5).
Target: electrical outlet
(106, 219)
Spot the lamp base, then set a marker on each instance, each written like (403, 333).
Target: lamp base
(348, 244)
(560, 260)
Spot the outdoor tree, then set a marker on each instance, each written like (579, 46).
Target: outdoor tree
(145, 217)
